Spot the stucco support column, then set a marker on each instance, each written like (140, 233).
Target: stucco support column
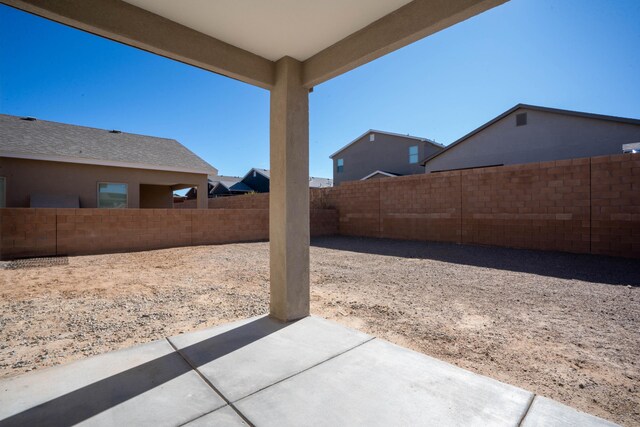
(202, 197)
(289, 193)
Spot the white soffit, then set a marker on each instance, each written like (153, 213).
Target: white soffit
(274, 28)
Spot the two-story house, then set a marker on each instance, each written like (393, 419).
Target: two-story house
(375, 154)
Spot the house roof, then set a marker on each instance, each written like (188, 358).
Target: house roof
(417, 138)
(385, 173)
(315, 182)
(53, 141)
(229, 180)
(237, 186)
(535, 108)
(264, 172)
(241, 187)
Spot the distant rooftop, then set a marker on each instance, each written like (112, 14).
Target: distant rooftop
(314, 182)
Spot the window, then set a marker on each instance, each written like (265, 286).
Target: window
(254, 174)
(340, 166)
(413, 154)
(372, 137)
(3, 202)
(112, 195)
(521, 119)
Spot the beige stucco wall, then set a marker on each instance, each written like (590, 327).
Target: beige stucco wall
(27, 177)
(545, 137)
(387, 153)
(155, 196)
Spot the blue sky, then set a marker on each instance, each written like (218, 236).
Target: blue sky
(575, 54)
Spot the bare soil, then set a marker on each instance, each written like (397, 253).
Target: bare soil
(563, 326)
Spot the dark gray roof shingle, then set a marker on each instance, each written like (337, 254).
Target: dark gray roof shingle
(40, 138)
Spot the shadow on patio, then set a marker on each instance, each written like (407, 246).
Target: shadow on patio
(588, 268)
(85, 402)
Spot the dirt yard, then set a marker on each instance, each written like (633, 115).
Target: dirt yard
(564, 326)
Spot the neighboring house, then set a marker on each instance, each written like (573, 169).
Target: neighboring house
(381, 151)
(221, 185)
(257, 179)
(527, 133)
(49, 164)
(229, 186)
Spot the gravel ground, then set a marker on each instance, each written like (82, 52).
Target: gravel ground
(563, 326)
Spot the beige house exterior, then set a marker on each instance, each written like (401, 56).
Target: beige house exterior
(528, 133)
(48, 164)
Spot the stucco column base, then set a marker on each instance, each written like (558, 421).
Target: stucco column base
(289, 193)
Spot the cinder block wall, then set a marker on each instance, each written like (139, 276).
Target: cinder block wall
(47, 232)
(589, 205)
(615, 205)
(536, 206)
(421, 207)
(27, 233)
(245, 201)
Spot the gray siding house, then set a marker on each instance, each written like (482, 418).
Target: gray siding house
(376, 153)
(528, 133)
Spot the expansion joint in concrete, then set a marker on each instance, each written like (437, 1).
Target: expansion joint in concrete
(214, 388)
(526, 411)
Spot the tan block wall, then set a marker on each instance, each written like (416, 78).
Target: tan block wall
(535, 206)
(421, 207)
(27, 233)
(230, 225)
(47, 232)
(615, 205)
(358, 204)
(95, 231)
(245, 201)
(589, 205)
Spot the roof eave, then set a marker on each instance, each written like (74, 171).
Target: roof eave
(97, 162)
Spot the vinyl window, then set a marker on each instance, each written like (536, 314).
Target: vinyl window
(413, 154)
(112, 195)
(340, 166)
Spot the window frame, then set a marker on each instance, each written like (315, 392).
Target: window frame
(340, 165)
(414, 157)
(107, 183)
(3, 195)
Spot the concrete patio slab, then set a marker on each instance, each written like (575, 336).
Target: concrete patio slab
(248, 356)
(224, 416)
(549, 413)
(381, 384)
(265, 373)
(146, 384)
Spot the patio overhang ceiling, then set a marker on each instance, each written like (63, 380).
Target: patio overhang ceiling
(242, 39)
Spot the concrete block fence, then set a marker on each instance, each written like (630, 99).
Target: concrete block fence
(589, 205)
(49, 232)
